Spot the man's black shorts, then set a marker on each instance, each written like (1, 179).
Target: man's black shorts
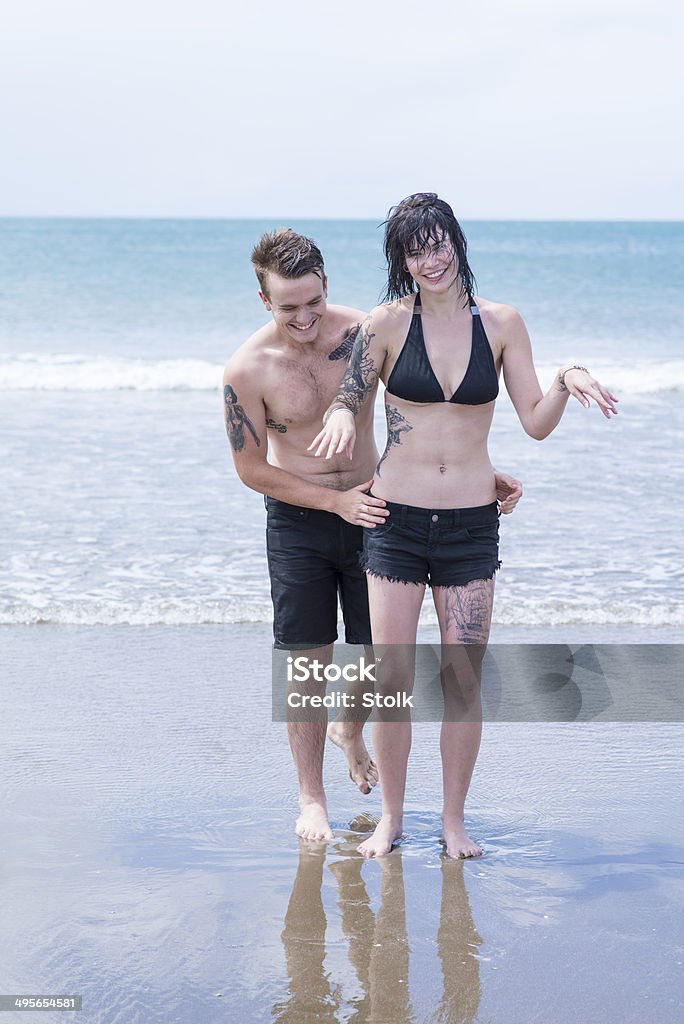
(312, 557)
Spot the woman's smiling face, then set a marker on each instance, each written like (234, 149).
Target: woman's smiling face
(434, 266)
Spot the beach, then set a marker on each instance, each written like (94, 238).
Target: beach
(150, 864)
(149, 861)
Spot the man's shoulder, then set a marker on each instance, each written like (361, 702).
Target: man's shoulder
(343, 325)
(345, 316)
(250, 355)
(253, 349)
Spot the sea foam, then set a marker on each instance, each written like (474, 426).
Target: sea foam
(35, 372)
(72, 372)
(182, 612)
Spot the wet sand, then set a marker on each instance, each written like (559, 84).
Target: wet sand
(149, 864)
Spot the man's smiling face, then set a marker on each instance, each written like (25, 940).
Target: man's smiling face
(297, 305)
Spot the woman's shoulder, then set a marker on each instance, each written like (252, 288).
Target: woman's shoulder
(497, 312)
(499, 318)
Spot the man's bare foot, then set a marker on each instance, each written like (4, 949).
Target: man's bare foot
(348, 737)
(457, 841)
(313, 823)
(382, 840)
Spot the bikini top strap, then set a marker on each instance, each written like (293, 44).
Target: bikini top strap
(417, 308)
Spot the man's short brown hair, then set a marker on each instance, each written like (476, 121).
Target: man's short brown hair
(287, 254)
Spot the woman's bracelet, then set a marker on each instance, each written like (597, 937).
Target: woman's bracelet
(329, 412)
(562, 386)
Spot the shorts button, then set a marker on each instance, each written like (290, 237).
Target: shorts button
(435, 518)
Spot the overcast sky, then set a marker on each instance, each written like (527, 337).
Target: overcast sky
(508, 108)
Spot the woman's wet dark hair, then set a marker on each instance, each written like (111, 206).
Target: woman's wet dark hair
(415, 222)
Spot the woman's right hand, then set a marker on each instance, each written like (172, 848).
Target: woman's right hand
(338, 435)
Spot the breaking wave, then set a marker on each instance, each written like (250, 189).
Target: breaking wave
(36, 372)
(182, 612)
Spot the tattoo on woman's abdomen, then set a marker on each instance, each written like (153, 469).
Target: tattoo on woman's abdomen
(396, 426)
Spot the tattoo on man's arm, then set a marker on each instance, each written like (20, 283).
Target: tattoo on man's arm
(236, 421)
(396, 426)
(346, 346)
(361, 375)
(280, 427)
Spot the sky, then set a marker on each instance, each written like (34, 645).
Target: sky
(509, 109)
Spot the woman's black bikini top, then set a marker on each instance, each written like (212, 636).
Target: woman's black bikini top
(413, 378)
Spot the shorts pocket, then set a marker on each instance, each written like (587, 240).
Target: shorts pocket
(283, 527)
(283, 518)
(487, 532)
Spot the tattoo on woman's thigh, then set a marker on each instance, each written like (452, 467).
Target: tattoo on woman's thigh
(468, 611)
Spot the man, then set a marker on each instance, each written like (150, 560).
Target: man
(276, 388)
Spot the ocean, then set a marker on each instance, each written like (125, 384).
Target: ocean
(121, 504)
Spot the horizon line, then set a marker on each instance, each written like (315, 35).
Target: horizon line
(269, 217)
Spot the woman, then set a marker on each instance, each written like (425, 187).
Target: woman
(439, 350)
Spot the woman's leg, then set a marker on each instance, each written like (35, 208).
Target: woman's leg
(394, 610)
(464, 615)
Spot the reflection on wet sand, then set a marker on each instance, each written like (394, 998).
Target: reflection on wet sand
(457, 945)
(378, 948)
(310, 996)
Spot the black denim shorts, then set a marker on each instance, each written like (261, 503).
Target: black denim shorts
(443, 547)
(313, 557)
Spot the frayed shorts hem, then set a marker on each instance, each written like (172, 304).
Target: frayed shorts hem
(462, 582)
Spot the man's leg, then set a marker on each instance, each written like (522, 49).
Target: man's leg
(306, 733)
(346, 732)
(299, 543)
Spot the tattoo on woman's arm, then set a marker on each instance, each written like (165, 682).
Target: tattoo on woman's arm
(236, 421)
(344, 349)
(361, 375)
(396, 426)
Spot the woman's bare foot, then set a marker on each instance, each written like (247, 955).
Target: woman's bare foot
(457, 841)
(312, 822)
(382, 840)
(348, 737)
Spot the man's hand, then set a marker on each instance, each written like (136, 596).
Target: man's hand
(359, 508)
(508, 492)
(337, 436)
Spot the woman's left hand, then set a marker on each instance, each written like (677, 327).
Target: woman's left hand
(583, 387)
(508, 492)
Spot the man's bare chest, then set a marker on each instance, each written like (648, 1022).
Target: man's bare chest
(297, 392)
